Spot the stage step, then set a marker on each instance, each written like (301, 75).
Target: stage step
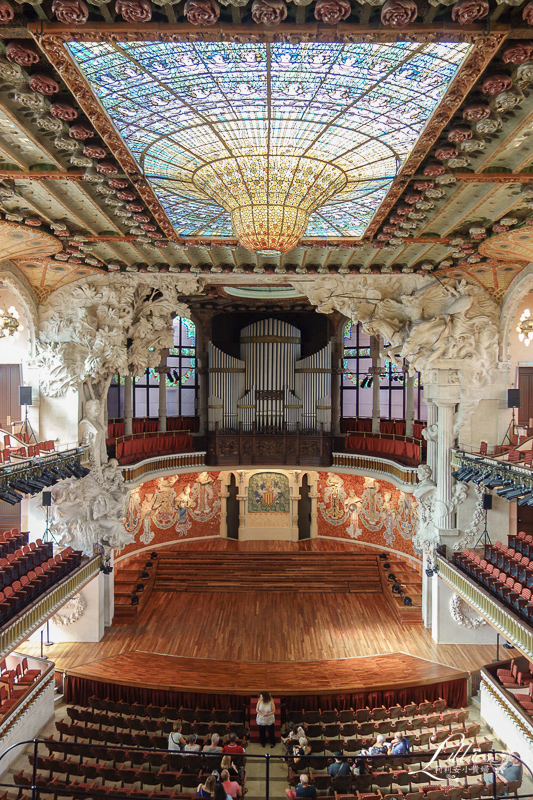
(200, 571)
(410, 580)
(127, 579)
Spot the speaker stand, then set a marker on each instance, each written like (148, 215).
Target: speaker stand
(484, 539)
(27, 432)
(48, 536)
(509, 433)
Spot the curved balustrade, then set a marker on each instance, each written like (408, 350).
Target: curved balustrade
(404, 448)
(136, 447)
(498, 615)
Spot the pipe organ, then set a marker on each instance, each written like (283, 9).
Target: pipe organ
(269, 387)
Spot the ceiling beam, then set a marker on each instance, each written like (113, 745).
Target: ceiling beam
(494, 177)
(41, 175)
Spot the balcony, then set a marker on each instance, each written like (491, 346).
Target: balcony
(502, 619)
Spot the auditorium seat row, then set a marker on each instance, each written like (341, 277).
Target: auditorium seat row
(501, 585)
(12, 540)
(29, 585)
(168, 712)
(367, 714)
(31, 451)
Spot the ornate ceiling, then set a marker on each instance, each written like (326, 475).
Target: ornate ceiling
(104, 187)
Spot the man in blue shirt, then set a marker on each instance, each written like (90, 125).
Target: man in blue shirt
(302, 790)
(399, 745)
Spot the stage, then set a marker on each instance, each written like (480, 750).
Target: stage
(233, 644)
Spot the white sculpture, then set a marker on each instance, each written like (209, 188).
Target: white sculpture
(430, 509)
(457, 610)
(87, 512)
(71, 612)
(422, 320)
(93, 434)
(107, 325)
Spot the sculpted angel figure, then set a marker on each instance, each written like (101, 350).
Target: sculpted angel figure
(92, 432)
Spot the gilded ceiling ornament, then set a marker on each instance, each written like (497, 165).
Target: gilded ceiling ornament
(445, 152)
(202, 12)
(6, 12)
(467, 11)
(81, 131)
(399, 13)
(94, 151)
(331, 12)
(118, 183)
(70, 12)
(460, 133)
(494, 84)
(269, 12)
(23, 52)
(433, 169)
(507, 100)
(43, 84)
(486, 127)
(63, 111)
(10, 72)
(527, 14)
(516, 53)
(27, 98)
(476, 111)
(134, 10)
(107, 168)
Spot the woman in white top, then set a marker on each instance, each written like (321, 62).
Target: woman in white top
(266, 716)
(175, 738)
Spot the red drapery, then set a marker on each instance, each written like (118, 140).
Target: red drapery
(393, 447)
(147, 425)
(132, 450)
(78, 690)
(393, 426)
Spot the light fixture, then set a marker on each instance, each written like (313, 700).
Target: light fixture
(9, 323)
(525, 327)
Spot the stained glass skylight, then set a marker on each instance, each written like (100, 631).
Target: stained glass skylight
(206, 121)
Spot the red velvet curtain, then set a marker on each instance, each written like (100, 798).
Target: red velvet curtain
(395, 447)
(78, 690)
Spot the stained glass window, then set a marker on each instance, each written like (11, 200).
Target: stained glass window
(192, 109)
(357, 391)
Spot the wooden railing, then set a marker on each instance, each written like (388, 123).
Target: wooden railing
(38, 612)
(374, 464)
(519, 633)
(163, 464)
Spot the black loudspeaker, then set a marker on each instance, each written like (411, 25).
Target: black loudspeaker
(487, 502)
(47, 499)
(513, 398)
(24, 395)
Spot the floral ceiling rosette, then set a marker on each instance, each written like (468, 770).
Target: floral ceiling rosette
(269, 142)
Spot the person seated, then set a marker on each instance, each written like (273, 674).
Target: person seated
(293, 736)
(508, 771)
(232, 788)
(232, 746)
(233, 771)
(175, 739)
(207, 789)
(192, 746)
(304, 789)
(399, 745)
(299, 750)
(379, 748)
(214, 747)
(339, 767)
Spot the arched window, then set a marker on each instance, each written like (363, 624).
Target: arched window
(357, 381)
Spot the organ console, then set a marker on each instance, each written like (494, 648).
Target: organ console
(269, 388)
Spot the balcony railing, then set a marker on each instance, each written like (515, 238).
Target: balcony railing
(499, 616)
(164, 464)
(382, 466)
(32, 617)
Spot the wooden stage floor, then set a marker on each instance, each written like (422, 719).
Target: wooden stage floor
(302, 640)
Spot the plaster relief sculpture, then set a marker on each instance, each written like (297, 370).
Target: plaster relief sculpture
(87, 512)
(108, 328)
(457, 610)
(71, 612)
(431, 510)
(423, 322)
(92, 433)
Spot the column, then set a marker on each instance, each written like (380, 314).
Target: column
(336, 378)
(409, 403)
(203, 334)
(163, 371)
(431, 457)
(375, 370)
(128, 415)
(445, 439)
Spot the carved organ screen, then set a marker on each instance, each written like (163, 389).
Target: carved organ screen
(270, 386)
